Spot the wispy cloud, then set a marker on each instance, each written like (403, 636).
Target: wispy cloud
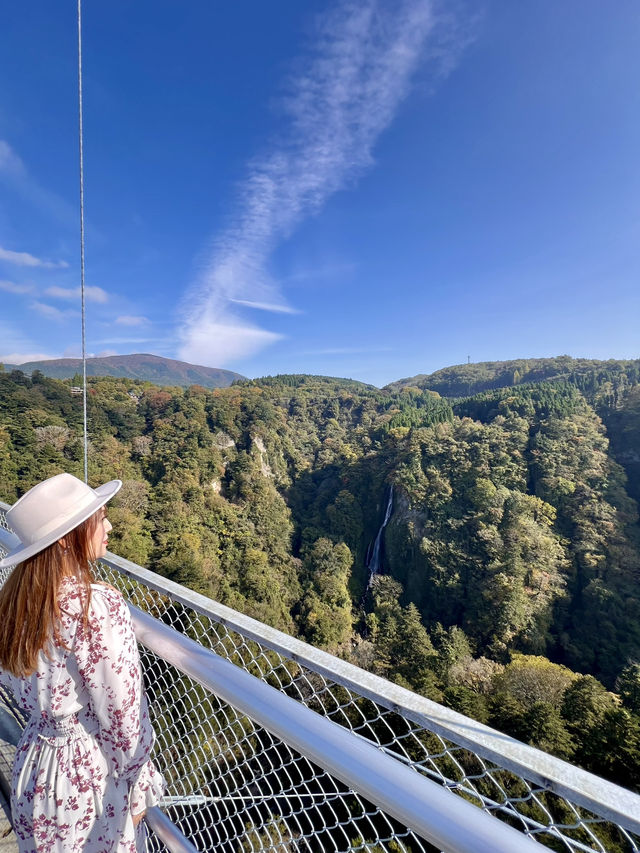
(265, 306)
(339, 99)
(336, 271)
(10, 163)
(219, 342)
(24, 259)
(51, 312)
(18, 349)
(92, 294)
(106, 341)
(23, 357)
(13, 287)
(347, 350)
(15, 174)
(132, 320)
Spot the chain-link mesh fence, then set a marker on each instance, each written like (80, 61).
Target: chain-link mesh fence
(265, 796)
(232, 786)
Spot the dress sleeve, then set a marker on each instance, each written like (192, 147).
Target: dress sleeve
(109, 666)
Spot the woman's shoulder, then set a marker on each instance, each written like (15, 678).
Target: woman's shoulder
(108, 608)
(72, 593)
(103, 595)
(105, 589)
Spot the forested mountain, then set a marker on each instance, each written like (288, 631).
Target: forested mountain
(511, 560)
(463, 380)
(144, 366)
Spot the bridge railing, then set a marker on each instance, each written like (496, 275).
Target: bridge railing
(238, 782)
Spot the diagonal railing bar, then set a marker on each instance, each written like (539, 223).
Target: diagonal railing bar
(606, 799)
(425, 807)
(168, 832)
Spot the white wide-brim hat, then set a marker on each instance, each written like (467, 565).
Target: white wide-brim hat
(49, 510)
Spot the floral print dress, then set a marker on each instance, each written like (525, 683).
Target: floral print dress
(82, 766)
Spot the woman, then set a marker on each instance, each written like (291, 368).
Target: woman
(82, 777)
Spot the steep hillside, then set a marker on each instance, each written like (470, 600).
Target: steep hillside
(511, 557)
(143, 366)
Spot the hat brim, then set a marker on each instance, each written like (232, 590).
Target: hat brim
(22, 552)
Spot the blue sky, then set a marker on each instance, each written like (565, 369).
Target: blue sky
(364, 189)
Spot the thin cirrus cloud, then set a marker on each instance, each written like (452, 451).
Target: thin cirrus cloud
(14, 173)
(339, 99)
(24, 357)
(157, 342)
(132, 320)
(265, 306)
(18, 349)
(92, 294)
(348, 350)
(24, 259)
(10, 164)
(51, 312)
(13, 287)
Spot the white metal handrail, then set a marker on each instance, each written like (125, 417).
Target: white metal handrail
(434, 813)
(418, 803)
(168, 832)
(604, 798)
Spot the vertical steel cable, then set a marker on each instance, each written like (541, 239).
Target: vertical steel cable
(81, 159)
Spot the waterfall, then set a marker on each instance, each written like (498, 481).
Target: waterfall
(373, 563)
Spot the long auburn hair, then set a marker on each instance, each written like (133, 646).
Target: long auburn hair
(29, 608)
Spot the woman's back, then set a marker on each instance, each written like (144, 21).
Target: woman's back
(82, 776)
(87, 743)
(55, 688)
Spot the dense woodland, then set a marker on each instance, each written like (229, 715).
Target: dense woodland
(511, 563)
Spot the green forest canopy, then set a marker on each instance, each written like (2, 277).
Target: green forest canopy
(511, 560)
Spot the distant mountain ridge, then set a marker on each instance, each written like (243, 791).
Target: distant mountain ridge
(465, 380)
(144, 366)
(456, 381)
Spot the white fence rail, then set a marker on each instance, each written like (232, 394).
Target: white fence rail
(240, 778)
(427, 808)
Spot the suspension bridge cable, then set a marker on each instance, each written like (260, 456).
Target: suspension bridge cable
(81, 176)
